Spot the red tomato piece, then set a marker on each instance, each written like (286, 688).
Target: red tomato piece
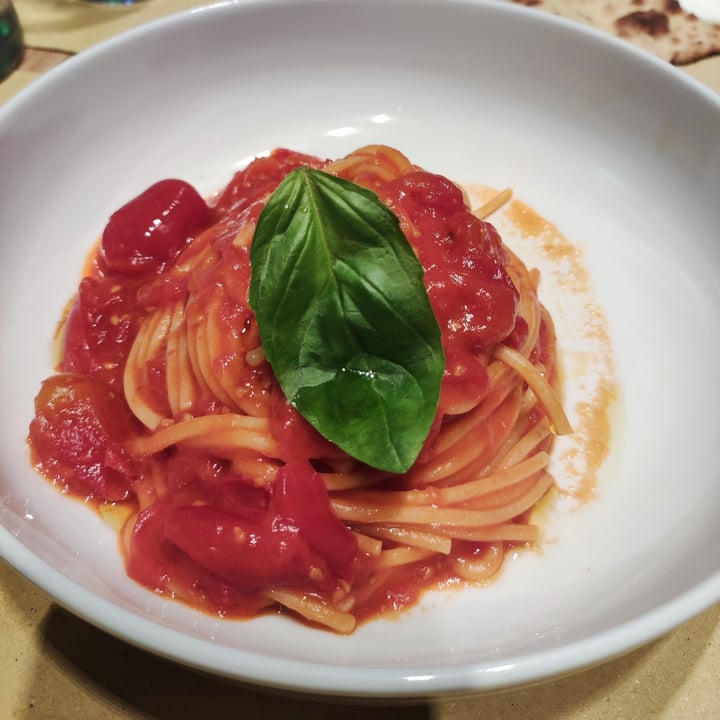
(250, 549)
(157, 563)
(483, 312)
(151, 559)
(475, 238)
(301, 495)
(421, 194)
(296, 540)
(152, 229)
(465, 381)
(77, 436)
(260, 178)
(101, 326)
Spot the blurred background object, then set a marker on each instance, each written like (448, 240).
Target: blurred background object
(11, 39)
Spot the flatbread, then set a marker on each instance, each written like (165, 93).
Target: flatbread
(660, 26)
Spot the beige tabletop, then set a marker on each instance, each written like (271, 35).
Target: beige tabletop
(53, 665)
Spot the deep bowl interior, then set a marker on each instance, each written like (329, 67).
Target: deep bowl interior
(619, 150)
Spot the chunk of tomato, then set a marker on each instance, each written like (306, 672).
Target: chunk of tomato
(100, 328)
(260, 178)
(77, 437)
(301, 495)
(295, 541)
(156, 562)
(250, 549)
(151, 230)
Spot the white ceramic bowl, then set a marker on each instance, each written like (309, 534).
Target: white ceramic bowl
(619, 150)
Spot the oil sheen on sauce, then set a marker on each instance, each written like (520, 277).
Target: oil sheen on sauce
(586, 360)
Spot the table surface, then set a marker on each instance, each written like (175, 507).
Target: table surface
(54, 665)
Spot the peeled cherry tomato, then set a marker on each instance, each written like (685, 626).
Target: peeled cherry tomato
(153, 229)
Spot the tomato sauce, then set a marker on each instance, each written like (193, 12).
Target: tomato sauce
(200, 530)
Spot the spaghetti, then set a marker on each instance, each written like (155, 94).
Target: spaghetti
(165, 408)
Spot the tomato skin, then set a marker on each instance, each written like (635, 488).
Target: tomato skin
(295, 540)
(155, 562)
(260, 178)
(77, 437)
(465, 381)
(474, 298)
(300, 494)
(151, 558)
(249, 548)
(421, 194)
(472, 295)
(151, 230)
(100, 328)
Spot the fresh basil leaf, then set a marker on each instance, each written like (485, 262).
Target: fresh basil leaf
(344, 317)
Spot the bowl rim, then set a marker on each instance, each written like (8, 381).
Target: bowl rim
(350, 681)
(383, 683)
